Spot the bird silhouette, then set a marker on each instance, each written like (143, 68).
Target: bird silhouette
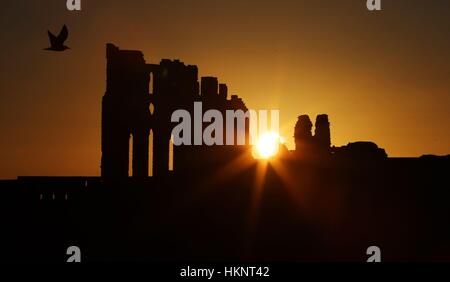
(57, 42)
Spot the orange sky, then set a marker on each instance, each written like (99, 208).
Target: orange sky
(380, 76)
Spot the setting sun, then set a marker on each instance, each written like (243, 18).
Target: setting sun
(268, 145)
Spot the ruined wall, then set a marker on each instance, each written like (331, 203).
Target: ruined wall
(140, 98)
(125, 113)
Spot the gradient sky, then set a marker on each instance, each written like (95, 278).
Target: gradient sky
(380, 76)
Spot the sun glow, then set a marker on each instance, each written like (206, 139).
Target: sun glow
(268, 145)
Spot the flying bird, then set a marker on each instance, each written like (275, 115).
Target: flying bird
(57, 42)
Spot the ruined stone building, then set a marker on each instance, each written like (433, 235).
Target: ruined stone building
(308, 145)
(139, 101)
(318, 146)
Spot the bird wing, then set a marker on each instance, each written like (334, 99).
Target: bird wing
(63, 35)
(53, 39)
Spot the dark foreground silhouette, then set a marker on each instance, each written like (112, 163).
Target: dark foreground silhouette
(330, 211)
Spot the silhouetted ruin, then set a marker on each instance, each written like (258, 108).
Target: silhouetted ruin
(134, 90)
(308, 146)
(322, 133)
(318, 147)
(302, 134)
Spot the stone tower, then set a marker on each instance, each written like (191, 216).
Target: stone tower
(322, 133)
(302, 134)
(125, 114)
